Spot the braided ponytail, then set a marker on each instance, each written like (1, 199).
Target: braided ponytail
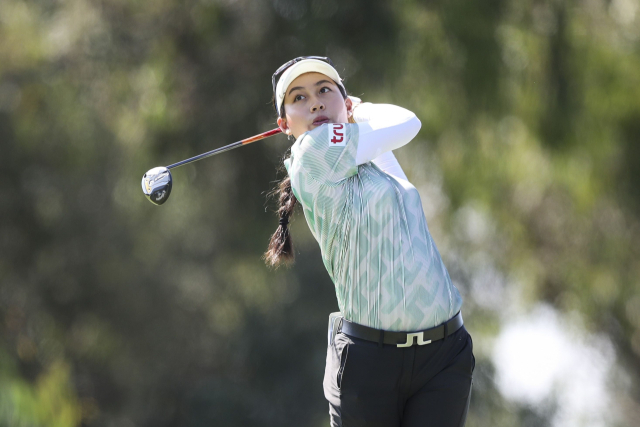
(280, 250)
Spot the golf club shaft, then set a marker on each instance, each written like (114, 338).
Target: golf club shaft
(227, 148)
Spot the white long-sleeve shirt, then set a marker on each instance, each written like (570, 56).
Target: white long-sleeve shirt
(384, 128)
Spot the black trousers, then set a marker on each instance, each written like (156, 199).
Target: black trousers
(427, 385)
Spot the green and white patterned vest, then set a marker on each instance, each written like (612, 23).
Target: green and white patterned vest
(373, 235)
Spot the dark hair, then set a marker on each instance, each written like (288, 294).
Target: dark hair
(280, 250)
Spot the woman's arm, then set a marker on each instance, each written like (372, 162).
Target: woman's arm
(388, 163)
(380, 129)
(383, 128)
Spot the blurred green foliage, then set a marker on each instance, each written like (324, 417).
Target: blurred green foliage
(116, 312)
(49, 401)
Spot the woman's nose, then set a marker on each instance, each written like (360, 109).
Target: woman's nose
(317, 106)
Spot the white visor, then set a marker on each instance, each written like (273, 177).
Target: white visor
(304, 66)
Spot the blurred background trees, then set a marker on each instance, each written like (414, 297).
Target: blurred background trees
(114, 312)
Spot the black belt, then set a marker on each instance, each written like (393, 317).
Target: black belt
(401, 339)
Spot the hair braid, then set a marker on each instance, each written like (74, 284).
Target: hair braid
(280, 250)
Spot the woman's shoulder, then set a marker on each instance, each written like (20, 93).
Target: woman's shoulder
(326, 153)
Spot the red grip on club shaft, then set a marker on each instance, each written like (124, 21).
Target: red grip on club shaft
(261, 136)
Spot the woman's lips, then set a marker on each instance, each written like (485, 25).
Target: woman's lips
(320, 120)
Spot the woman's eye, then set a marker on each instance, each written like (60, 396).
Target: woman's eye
(298, 98)
(325, 90)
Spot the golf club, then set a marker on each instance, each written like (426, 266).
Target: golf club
(157, 182)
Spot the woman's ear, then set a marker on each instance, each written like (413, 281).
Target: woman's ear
(349, 105)
(282, 124)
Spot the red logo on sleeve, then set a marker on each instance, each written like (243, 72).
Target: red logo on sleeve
(336, 134)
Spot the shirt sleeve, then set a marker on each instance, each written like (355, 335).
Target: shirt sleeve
(383, 128)
(328, 153)
(389, 164)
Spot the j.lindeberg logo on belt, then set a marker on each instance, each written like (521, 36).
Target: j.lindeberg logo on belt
(402, 339)
(411, 336)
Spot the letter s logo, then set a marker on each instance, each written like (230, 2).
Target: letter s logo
(336, 135)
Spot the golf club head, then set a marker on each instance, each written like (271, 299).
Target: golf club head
(156, 185)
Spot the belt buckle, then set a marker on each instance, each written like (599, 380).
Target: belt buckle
(410, 336)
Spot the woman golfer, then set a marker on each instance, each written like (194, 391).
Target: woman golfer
(398, 352)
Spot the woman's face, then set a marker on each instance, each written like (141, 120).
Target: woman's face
(311, 100)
